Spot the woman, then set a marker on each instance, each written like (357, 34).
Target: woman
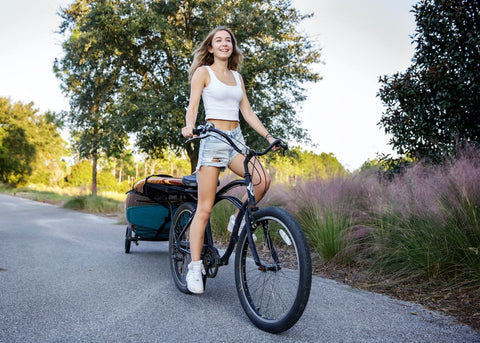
(214, 77)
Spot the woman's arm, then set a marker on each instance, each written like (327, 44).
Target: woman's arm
(199, 80)
(251, 118)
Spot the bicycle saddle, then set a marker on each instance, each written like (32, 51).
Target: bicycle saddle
(191, 181)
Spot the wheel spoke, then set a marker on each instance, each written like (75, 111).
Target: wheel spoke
(274, 297)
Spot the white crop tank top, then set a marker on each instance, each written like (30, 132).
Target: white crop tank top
(220, 100)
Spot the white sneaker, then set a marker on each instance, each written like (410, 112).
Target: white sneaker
(194, 277)
(231, 224)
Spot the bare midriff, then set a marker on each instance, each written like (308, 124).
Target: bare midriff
(224, 125)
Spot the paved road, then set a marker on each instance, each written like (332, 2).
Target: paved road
(64, 277)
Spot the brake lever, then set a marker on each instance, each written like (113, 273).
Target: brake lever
(283, 145)
(279, 143)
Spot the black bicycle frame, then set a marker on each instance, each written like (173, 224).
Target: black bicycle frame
(245, 208)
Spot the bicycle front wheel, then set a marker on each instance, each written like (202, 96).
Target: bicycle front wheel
(274, 294)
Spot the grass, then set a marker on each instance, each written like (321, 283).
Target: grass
(219, 218)
(49, 196)
(424, 224)
(94, 204)
(325, 230)
(71, 198)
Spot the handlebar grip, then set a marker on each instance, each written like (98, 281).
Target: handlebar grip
(196, 131)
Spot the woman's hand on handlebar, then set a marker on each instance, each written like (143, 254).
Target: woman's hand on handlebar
(272, 139)
(187, 131)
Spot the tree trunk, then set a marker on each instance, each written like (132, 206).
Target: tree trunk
(120, 172)
(94, 174)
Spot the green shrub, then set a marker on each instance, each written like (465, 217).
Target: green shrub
(431, 226)
(325, 230)
(94, 204)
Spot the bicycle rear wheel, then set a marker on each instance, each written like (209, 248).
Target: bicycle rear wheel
(274, 295)
(179, 245)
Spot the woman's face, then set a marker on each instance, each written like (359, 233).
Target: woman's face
(222, 45)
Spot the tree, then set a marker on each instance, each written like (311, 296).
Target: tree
(30, 144)
(48, 166)
(16, 156)
(149, 45)
(435, 104)
(89, 72)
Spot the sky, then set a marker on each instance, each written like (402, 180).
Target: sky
(359, 40)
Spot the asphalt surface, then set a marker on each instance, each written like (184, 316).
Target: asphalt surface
(64, 277)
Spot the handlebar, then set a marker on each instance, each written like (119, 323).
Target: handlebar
(209, 127)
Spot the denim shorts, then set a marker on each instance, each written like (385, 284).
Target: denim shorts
(216, 152)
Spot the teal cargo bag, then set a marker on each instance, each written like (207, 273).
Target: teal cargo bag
(150, 222)
(148, 219)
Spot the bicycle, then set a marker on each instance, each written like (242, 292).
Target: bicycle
(273, 269)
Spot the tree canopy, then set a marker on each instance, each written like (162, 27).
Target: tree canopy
(31, 147)
(434, 106)
(126, 66)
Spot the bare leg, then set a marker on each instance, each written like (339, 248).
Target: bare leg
(207, 178)
(260, 176)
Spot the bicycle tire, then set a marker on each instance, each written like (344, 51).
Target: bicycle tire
(128, 240)
(274, 298)
(179, 260)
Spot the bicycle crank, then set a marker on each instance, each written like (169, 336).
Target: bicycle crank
(211, 261)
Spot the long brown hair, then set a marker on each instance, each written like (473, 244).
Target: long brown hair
(201, 55)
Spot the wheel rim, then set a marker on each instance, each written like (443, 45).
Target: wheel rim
(271, 293)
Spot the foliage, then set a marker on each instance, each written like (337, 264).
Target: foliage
(389, 167)
(80, 174)
(31, 147)
(170, 164)
(424, 224)
(328, 210)
(129, 60)
(324, 230)
(431, 228)
(107, 181)
(117, 174)
(89, 73)
(219, 219)
(16, 156)
(297, 164)
(434, 105)
(369, 165)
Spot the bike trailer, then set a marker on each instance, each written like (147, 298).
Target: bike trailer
(150, 206)
(147, 218)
